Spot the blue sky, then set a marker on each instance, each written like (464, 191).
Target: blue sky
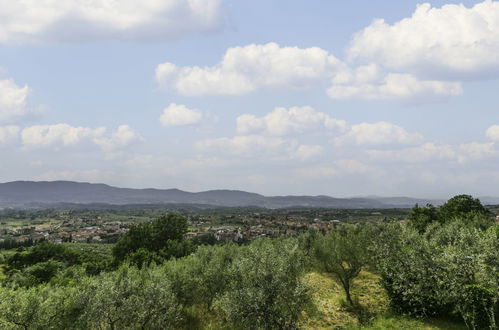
(275, 97)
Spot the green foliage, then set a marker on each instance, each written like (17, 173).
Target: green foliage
(212, 271)
(171, 227)
(254, 286)
(21, 309)
(40, 263)
(426, 275)
(163, 237)
(436, 266)
(477, 305)
(462, 208)
(129, 298)
(44, 252)
(462, 205)
(421, 217)
(139, 236)
(343, 253)
(265, 289)
(143, 258)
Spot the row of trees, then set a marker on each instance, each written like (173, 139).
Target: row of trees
(257, 286)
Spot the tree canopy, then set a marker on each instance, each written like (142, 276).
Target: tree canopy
(162, 238)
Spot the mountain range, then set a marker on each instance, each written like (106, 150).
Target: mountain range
(43, 193)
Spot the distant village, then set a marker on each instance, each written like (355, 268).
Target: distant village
(99, 227)
(96, 230)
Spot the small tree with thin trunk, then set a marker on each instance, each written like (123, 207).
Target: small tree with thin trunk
(343, 253)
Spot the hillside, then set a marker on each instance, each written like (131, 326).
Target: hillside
(25, 193)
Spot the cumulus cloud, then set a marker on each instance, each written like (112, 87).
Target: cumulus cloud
(393, 86)
(34, 21)
(294, 120)
(437, 43)
(121, 138)
(180, 115)
(58, 135)
(64, 135)
(258, 146)
(8, 133)
(493, 132)
(13, 101)
(420, 59)
(475, 151)
(249, 68)
(380, 133)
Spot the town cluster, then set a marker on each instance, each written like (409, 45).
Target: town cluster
(234, 228)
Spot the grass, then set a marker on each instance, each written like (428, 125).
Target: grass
(328, 309)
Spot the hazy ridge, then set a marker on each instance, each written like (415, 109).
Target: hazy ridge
(23, 193)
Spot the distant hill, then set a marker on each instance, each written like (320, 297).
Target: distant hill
(405, 201)
(25, 193)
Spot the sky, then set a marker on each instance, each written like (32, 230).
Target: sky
(278, 97)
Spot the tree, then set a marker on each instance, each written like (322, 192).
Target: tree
(462, 205)
(139, 236)
(265, 289)
(462, 208)
(128, 298)
(343, 253)
(168, 227)
(421, 217)
(164, 236)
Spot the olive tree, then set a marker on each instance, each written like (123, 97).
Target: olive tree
(265, 289)
(344, 254)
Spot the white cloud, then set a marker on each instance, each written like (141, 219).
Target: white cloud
(58, 135)
(13, 101)
(249, 123)
(246, 69)
(380, 133)
(440, 43)
(8, 133)
(427, 152)
(393, 86)
(180, 115)
(282, 121)
(121, 138)
(493, 132)
(475, 151)
(35, 21)
(64, 135)
(305, 152)
(259, 146)
(422, 153)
